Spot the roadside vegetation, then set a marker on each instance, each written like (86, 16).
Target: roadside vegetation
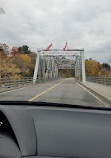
(20, 63)
(94, 68)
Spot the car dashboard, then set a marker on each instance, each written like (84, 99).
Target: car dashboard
(47, 130)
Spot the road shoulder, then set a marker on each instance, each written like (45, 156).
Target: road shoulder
(99, 91)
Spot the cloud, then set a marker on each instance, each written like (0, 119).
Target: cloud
(83, 23)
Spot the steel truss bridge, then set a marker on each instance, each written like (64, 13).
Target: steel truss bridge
(49, 62)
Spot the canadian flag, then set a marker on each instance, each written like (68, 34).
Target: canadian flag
(65, 47)
(49, 47)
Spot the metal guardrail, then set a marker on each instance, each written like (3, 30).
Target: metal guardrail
(8, 83)
(105, 80)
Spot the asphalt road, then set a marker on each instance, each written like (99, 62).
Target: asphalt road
(66, 91)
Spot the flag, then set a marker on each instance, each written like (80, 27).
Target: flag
(65, 47)
(49, 47)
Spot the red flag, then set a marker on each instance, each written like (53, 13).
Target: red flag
(47, 49)
(65, 47)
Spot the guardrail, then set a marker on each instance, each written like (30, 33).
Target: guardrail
(8, 83)
(105, 80)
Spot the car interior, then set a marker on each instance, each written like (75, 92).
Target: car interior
(46, 130)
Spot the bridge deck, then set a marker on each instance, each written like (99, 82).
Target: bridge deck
(60, 91)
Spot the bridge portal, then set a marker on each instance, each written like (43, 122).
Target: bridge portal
(48, 63)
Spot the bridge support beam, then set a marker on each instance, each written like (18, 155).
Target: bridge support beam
(36, 67)
(77, 67)
(83, 67)
(43, 68)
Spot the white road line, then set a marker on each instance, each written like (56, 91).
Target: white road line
(92, 94)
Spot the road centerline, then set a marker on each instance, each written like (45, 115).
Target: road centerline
(46, 91)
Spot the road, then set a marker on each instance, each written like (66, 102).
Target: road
(66, 91)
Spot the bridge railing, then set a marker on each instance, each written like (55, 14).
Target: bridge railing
(8, 83)
(105, 80)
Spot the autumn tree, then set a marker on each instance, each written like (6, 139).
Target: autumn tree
(20, 63)
(23, 62)
(2, 55)
(8, 69)
(32, 55)
(66, 73)
(14, 50)
(92, 67)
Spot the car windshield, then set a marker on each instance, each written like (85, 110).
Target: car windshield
(56, 51)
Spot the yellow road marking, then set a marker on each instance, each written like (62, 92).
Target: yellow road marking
(53, 86)
(46, 91)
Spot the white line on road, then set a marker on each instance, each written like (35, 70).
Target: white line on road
(92, 94)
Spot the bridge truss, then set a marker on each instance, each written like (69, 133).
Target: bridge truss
(49, 62)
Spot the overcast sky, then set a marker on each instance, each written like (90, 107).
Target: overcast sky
(36, 23)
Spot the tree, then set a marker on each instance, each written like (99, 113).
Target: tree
(33, 57)
(14, 50)
(20, 50)
(23, 62)
(66, 72)
(106, 66)
(24, 50)
(2, 55)
(92, 67)
(8, 69)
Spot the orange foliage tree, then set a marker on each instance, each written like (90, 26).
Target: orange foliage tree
(23, 62)
(8, 69)
(92, 67)
(17, 64)
(14, 51)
